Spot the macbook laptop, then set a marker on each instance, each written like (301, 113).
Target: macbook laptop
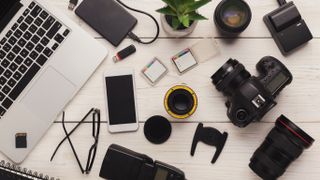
(45, 58)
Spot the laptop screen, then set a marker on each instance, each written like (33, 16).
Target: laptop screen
(8, 9)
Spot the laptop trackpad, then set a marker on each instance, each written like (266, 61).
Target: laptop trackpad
(48, 95)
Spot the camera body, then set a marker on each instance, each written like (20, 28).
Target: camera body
(250, 97)
(124, 164)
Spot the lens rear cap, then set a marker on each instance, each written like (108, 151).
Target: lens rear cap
(157, 129)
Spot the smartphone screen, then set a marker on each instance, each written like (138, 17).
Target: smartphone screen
(121, 99)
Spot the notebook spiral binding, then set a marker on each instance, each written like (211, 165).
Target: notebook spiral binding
(24, 171)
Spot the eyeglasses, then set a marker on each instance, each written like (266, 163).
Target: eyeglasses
(95, 133)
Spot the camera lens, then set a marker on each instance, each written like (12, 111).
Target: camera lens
(232, 16)
(282, 146)
(230, 76)
(180, 102)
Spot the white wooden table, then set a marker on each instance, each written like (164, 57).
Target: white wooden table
(299, 101)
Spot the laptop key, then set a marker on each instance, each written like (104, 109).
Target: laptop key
(31, 5)
(2, 111)
(38, 21)
(29, 20)
(41, 32)
(7, 47)
(2, 54)
(59, 38)
(33, 29)
(23, 26)
(48, 22)
(55, 46)
(12, 40)
(45, 41)
(29, 46)
(9, 33)
(26, 12)
(48, 52)
(7, 103)
(28, 62)
(11, 83)
(16, 49)
(18, 60)
(2, 96)
(5, 63)
(7, 74)
(24, 53)
(66, 32)
(36, 11)
(11, 56)
(24, 81)
(13, 67)
(27, 35)
(17, 76)
(35, 39)
(6, 89)
(1, 70)
(3, 40)
(17, 33)
(20, 19)
(54, 29)
(22, 42)
(42, 60)
(33, 55)
(15, 26)
(39, 48)
(23, 69)
(3, 80)
(44, 15)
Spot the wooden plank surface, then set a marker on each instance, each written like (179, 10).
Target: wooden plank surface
(299, 101)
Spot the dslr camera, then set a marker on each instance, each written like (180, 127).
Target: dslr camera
(250, 97)
(124, 164)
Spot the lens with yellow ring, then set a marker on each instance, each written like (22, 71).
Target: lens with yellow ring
(180, 102)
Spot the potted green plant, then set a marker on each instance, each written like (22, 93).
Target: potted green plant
(180, 17)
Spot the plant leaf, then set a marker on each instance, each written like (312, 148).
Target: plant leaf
(167, 11)
(171, 4)
(195, 16)
(186, 21)
(175, 23)
(196, 5)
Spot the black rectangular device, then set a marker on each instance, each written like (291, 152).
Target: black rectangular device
(121, 100)
(124, 164)
(287, 28)
(108, 18)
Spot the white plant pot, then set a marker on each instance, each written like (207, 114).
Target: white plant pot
(176, 33)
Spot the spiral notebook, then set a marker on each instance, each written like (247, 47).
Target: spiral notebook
(10, 171)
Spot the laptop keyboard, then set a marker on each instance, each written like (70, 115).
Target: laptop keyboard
(25, 49)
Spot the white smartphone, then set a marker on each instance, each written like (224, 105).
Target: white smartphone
(121, 106)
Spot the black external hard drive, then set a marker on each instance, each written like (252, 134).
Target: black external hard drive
(288, 29)
(108, 18)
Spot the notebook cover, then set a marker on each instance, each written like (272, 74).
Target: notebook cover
(108, 18)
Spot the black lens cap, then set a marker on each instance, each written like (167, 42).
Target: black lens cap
(157, 129)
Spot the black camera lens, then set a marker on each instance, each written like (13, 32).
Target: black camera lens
(232, 16)
(282, 146)
(230, 76)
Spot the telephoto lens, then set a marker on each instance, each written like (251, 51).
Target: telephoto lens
(284, 144)
(232, 16)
